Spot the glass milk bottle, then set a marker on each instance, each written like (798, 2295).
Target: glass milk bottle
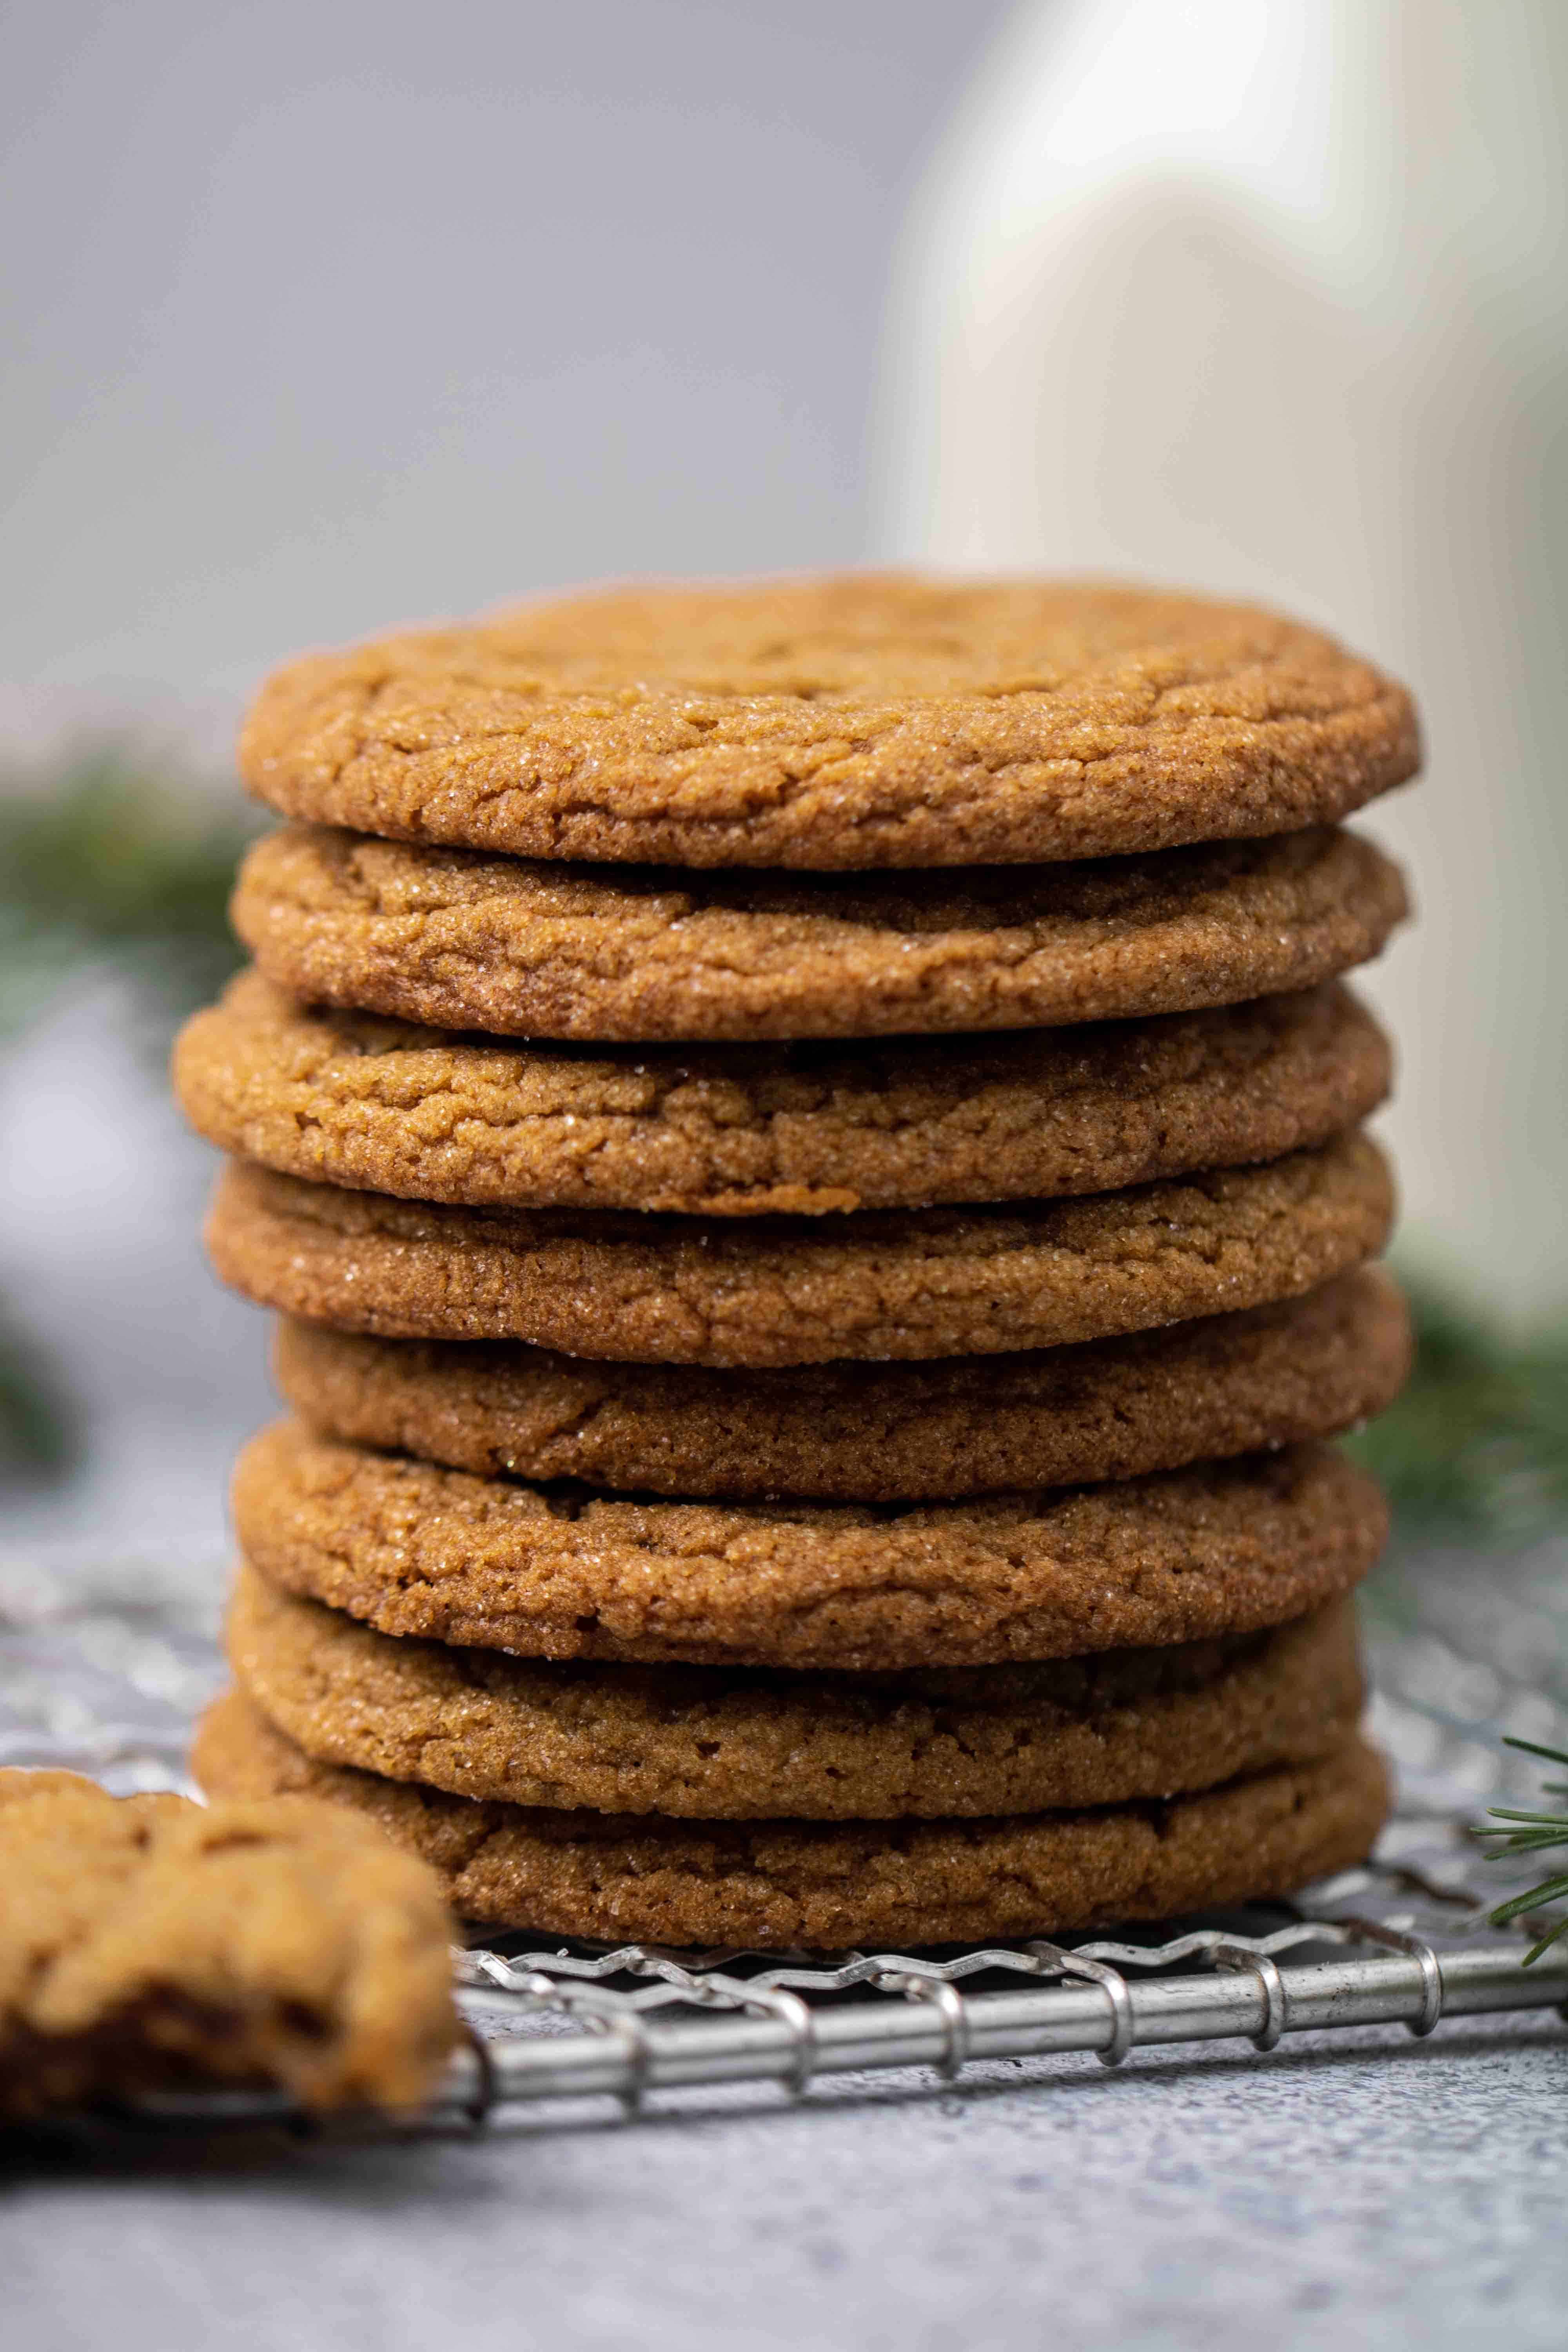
(1271, 296)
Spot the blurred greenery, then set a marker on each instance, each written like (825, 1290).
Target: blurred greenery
(1477, 1446)
(38, 1430)
(115, 863)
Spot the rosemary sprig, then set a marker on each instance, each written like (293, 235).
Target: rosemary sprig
(1522, 1831)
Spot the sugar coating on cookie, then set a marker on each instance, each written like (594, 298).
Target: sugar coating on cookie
(377, 1105)
(559, 1572)
(1227, 1384)
(603, 952)
(852, 722)
(147, 1943)
(732, 1744)
(825, 1885)
(881, 1285)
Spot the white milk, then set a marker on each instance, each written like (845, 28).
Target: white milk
(1268, 296)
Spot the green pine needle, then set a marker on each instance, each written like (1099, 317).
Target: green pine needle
(1536, 1833)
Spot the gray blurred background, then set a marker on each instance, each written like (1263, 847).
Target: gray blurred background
(322, 318)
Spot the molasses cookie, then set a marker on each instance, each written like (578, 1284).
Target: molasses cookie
(149, 1943)
(564, 1572)
(353, 1099)
(829, 1886)
(762, 1291)
(873, 720)
(726, 1744)
(529, 948)
(1228, 1384)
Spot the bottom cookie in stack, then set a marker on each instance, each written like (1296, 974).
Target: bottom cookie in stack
(814, 1885)
(1068, 1781)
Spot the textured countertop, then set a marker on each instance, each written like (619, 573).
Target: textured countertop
(1325, 2195)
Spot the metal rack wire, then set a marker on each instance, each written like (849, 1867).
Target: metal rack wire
(1392, 1945)
(1083, 1999)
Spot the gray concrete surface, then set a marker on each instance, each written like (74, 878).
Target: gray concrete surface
(1331, 2195)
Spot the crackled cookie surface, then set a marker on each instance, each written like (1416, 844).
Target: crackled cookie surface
(147, 1943)
(855, 721)
(357, 1100)
(594, 953)
(726, 1744)
(832, 1885)
(559, 1572)
(1228, 1384)
(880, 1284)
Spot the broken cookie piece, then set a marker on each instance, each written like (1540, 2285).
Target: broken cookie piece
(151, 1943)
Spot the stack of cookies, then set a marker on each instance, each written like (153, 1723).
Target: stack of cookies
(806, 1141)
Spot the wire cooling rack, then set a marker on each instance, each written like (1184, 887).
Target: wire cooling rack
(1401, 1944)
(105, 1678)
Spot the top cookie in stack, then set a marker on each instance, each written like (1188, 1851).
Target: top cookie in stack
(569, 1130)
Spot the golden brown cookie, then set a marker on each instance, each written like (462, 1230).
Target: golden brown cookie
(356, 1100)
(586, 952)
(860, 1432)
(726, 1744)
(149, 1943)
(883, 1284)
(563, 1572)
(861, 720)
(830, 1886)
